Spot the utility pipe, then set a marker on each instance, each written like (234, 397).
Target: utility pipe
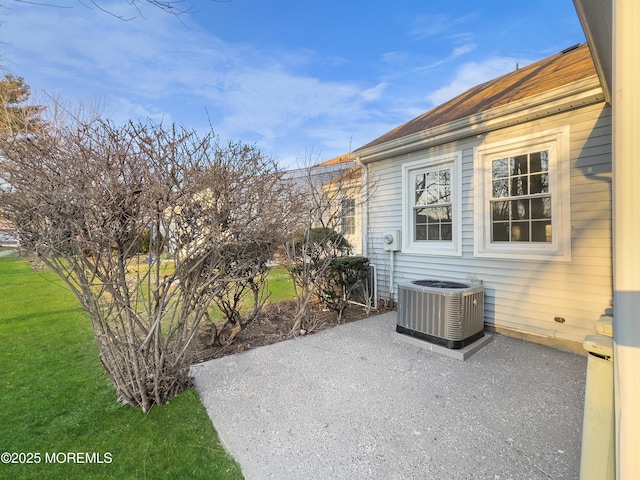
(365, 208)
(391, 272)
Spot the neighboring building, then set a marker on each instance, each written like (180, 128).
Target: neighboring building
(345, 191)
(7, 233)
(338, 182)
(508, 184)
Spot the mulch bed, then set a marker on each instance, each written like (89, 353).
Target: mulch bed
(274, 325)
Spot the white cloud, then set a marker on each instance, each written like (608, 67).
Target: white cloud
(86, 47)
(156, 67)
(121, 109)
(271, 101)
(373, 93)
(281, 98)
(455, 54)
(471, 74)
(395, 57)
(462, 49)
(427, 26)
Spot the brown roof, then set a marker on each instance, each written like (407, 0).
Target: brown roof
(335, 161)
(350, 175)
(568, 66)
(6, 224)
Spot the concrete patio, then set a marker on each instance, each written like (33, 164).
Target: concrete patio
(358, 402)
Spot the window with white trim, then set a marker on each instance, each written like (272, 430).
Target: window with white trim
(432, 205)
(522, 197)
(348, 216)
(432, 214)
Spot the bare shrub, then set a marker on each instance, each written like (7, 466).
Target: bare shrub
(83, 196)
(318, 240)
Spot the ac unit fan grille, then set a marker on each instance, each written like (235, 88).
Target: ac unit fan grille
(439, 284)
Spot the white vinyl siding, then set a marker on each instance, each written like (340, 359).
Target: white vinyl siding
(521, 294)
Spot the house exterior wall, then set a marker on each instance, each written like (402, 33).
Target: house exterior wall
(520, 295)
(336, 194)
(7, 233)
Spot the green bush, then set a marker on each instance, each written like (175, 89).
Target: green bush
(341, 280)
(148, 245)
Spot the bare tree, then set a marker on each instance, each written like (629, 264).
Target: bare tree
(256, 211)
(251, 282)
(82, 197)
(319, 241)
(174, 7)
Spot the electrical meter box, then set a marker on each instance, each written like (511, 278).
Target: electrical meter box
(391, 241)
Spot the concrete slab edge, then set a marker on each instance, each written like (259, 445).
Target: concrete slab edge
(459, 354)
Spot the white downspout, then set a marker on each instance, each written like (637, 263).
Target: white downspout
(365, 208)
(391, 273)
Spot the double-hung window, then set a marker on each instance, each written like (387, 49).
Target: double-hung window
(522, 197)
(432, 205)
(348, 216)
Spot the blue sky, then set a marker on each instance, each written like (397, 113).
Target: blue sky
(298, 79)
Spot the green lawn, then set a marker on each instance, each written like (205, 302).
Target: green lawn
(280, 285)
(55, 398)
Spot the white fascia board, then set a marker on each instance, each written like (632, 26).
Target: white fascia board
(596, 19)
(568, 97)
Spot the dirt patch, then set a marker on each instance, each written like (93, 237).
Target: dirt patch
(274, 325)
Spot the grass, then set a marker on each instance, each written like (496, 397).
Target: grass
(56, 397)
(279, 282)
(280, 285)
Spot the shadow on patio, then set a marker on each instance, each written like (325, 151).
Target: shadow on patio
(356, 402)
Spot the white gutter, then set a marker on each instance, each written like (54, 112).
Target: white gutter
(598, 35)
(581, 93)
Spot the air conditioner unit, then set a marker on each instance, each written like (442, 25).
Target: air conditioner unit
(446, 313)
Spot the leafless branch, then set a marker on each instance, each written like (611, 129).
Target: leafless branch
(103, 206)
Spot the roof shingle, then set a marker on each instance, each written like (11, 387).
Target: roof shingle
(568, 66)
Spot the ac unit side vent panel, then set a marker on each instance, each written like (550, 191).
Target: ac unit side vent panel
(450, 315)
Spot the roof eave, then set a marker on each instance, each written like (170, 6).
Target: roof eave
(596, 19)
(573, 95)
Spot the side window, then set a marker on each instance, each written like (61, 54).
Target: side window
(432, 205)
(520, 199)
(348, 216)
(522, 202)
